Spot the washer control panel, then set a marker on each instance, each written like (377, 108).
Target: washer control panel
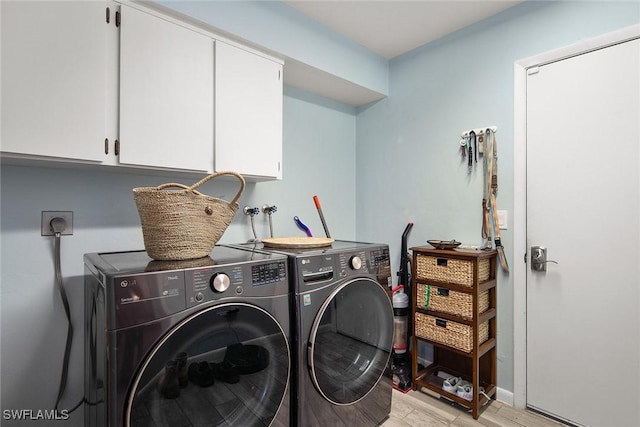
(267, 273)
(239, 280)
(140, 298)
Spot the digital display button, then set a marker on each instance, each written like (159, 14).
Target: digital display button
(264, 274)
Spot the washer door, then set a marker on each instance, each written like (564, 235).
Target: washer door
(350, 341)
(236, 371)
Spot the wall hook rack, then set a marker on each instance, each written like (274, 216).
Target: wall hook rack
(479, 131)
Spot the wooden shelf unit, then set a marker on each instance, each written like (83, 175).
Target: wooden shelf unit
(442, 272)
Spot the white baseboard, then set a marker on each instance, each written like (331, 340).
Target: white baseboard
(504, 396)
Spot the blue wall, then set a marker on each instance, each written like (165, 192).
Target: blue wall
(408, 159)
(319, 158)
(395, 161)
(271, 25)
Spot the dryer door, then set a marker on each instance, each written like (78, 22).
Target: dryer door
(350, 341)
(224, 365)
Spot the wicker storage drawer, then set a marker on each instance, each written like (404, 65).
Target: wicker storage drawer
(450, 270)
(452, 334)
(450, 302)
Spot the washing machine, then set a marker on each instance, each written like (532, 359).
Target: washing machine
(187, 343)
(343, 333)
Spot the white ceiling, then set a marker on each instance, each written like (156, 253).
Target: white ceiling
(393, 27)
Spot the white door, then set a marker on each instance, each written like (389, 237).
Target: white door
(166, 94)
(54, 78)
(248, 108)
(583, 198)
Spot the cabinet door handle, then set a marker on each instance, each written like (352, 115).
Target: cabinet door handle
(117, 147)
(106, 146)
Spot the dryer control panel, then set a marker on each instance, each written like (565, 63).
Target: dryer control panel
(316, 270)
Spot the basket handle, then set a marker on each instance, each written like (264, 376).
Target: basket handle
(205, 179)
(175, 184)
(217, 174)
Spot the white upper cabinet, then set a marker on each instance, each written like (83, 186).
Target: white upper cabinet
(53, 79)
(248, 113)
(166, 94)
(122, 85)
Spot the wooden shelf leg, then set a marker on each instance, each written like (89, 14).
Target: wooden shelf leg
(476, 387)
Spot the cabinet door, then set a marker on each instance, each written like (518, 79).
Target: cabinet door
(248, 120)
(166, 94)
(53, 78)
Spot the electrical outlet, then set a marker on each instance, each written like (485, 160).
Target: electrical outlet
(47, 216)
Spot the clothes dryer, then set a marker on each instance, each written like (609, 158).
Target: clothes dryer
(343, 333)
(197, 342)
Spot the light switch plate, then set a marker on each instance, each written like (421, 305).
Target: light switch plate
(503, 218)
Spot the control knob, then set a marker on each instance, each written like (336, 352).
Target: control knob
(219, 282)
(355, 262)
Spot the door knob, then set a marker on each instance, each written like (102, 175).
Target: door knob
(539, 259)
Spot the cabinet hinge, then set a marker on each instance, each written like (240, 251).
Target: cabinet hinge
(106, 146)
(117, 18)
(117, 148)
(108, 17)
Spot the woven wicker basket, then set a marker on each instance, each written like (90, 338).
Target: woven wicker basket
(183, 224)
(450, 270)
(450, 302)
(447, 332)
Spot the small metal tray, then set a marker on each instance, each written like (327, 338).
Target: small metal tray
(444, 244)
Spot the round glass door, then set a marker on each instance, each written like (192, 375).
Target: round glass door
(225, 365)
(350, 341)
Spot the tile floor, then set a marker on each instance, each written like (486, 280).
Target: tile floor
(417, 409)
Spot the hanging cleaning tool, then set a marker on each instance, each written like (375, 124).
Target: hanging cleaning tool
(302, 226)
(316, 200)
(471, 141)
(490, 205)
(486, 203)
